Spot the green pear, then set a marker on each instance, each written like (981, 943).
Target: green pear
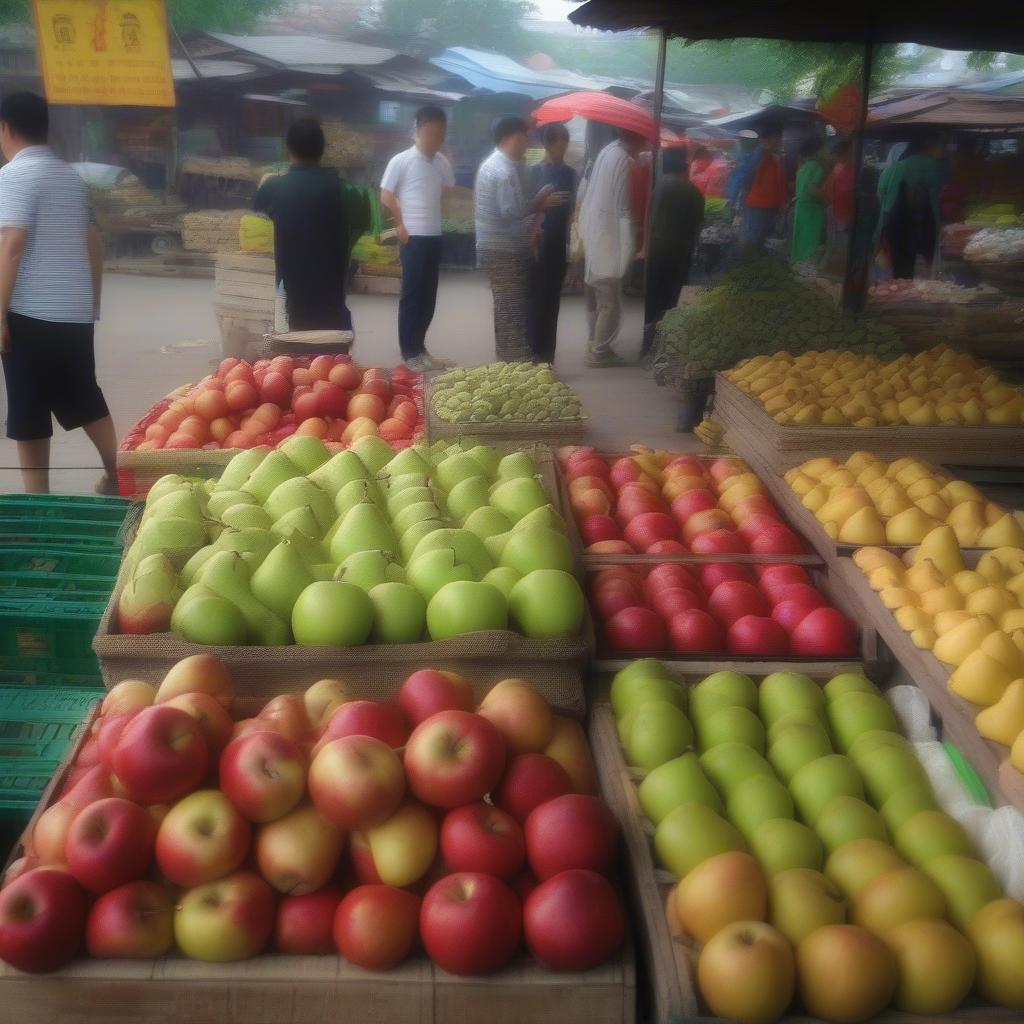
(416, 533)
(503, 578)
(518, 464)
(543, 516)
(518, 497)
(408, 461)
(302, 520)
(467, 496)
(413, 514)
(177, 538)
(311, 551)
(240, 468)
(364, 528)
(373, 452)
(165, 485)
(489, 459)
(366, 569)
(430, 571)
(254, 544)
(192, 569)
(628, 692)
(299, 493)
(396, 484)
(356, 493)
(204, 617)
(468, 547)
(227, 575)
(182, 504)
(691, 833)
(269, 475)
(654, 733)
(537, 547)
(337, 471)
(495, 545)
(399, 614)
(242, 517)
(728, 764)
(455, 469)
(308, 453)
(278, 582)
(410, 496)
(221, 501)
(324, 571)
(487, 522)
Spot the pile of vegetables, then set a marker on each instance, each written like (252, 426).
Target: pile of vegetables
(996, 246)
(505, 392)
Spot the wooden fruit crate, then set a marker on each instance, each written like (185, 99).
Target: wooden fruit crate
(672, 959)
(277, 989)
(755, 435)
(1003, 782)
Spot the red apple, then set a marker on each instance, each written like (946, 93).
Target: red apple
(733, 600)
(161, 755)
(375, 926)
(614, 596)
(610, 547)
(109, 844)
(108, 732)
(49, 834)
(635, 629)
(227, 920)
(719, 542)
(589, 466)
(668, 603)
(726, 466)
(304, 925)
(706, 522)
(774, 579)
(471, 924)
(624, 471)
(287, 715)
(573, 921)
(483, 838)
(202, 838)
(275, 387)
(211, 717)
(719, 572)
(200, 673)
(345, 375)
(648, 528)
(757, 636)
(777, 540)
(42, 920)
(589, 503)
(529, 781)
(824, 633)
(571, 831)
(689, 503)
(753, 504)
(356, 782)
(263, 774)
(617, 572)
(133, 922)
(670, 576)
(695, 632)
(383, 721)
(805, 593)
(666, 547)
(789, 614)
(429, 691)
(597, 528)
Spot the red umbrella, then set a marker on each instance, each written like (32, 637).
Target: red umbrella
(598, 106)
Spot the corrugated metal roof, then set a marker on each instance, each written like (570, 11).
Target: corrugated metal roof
(308, 53)
(211, 69)
(495, 72)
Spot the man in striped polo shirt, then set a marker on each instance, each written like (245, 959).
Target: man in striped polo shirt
(51, 271)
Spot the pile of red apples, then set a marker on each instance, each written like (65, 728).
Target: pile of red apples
(658, 504)
(326, 824)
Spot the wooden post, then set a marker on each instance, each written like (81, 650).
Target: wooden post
(659, 102)
(861, 244)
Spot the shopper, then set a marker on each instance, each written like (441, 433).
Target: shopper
(908, 192)
(505, 218)
(758, 187)
(608, 233)
(311, 234)
(411, 190)
(839, 193)
(676, 220)
(552, 246)
(809, 209)
(51, 274)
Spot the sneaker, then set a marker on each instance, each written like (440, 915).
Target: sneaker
(420, 364)
(604, 362)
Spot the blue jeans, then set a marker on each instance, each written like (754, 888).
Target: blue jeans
(421, 263)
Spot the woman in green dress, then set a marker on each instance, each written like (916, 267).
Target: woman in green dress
(809, 214)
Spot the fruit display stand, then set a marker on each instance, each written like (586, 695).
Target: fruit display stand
(671, 958)
(280, 989)
(753, 434)
(1005, 785)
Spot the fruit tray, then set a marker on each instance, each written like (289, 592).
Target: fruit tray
(752, 433)
(49, 635)
(1003, 782)
(278, 989)
(672, 957)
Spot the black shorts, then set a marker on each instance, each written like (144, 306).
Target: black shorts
(50, 370)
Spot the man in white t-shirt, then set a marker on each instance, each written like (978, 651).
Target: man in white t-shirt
(411, 191)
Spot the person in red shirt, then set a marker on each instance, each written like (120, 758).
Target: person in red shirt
(838, 189)
(763, 189)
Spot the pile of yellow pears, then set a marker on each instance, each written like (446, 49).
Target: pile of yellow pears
(970, 619)
(869, 501)
(935, 388)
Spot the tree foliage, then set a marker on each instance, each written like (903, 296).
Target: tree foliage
(482, 24)
(214, 15)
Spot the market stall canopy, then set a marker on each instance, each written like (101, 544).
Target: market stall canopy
(948, 24)
(598, 106)
(949, 108)
(496, 73)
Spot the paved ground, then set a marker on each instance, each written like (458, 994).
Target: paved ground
(157, 334)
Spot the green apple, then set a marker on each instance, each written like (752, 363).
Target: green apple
(504, 579)
(432, 570)
(468, 546)
(467, 496)
(723, 689)
(690, 834)
(518, 496)
(801, 900)
(794, 745)
(416, 533)
(930, 834)
(399, 614)
(732, 725)
(674, 783)
(855, 714)
(853, 865)
(646, 667)
(415, 512)
(997, 934)
(820, 781)
(967, 884)
(906, 802)
(888, 770)
(656, 732)
(547, 604)
(537, 547)
(455, 469)
(783, 843)
(365, 569)
(848, 682)
(845, 818)
(487, 522)
(203, 617)
(757, 799)
(518, 464)
(782, 692)
(466, 607)
(728, 764)
(546, 515)
(895, 897)
(867, 743)
(806, 716)
(332, 615)
(628, 692)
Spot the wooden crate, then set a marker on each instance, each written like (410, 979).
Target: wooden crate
(1003, 782)
(671, 959)
(276, 989)
(756, 436)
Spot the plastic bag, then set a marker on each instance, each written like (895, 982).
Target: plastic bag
(256, 233)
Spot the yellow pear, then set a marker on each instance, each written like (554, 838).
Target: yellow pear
(923, 639)
(923, 576)
(909, 406)
(1005, 532)
(815, 498)
(1009, 559)
(1008, 415)
(991, 600)
(968, 522)
(913, 618)
(877, 487)
(980, 679)
(866, 421)
(892, 501)
(1001, 648)
(914, 472)
(909, 527)
(967, 582)
(1017, 753)
(1012, 621)
(831, 530)
(884, 577)
(899, 597)
(777, 402)
(993, 513)
(861, 460)
(1015, 586)
(932, 505)
(941, 599)
(867, 559)
(956, 492)
(897, 466)
(925, 416)
(809, 415)
(868, 474)
(943, 622)
(839, 478)
(834, 418)
(949, 414)
(954, 646)
(941, 548)
(843, 503)
(863, 527)
(973, 412)
(924, 486)
(890, 411)
(801, 483)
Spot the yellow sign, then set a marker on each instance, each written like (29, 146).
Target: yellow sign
(105, 52)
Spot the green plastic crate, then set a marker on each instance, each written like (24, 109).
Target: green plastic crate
(22, 784)
(36, 585)
(33, 529)
(65, 507)
(54, 635)
(68, 562)
(12, 677)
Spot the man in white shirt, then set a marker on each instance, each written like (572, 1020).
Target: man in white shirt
(411, 190)
(51, 272)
